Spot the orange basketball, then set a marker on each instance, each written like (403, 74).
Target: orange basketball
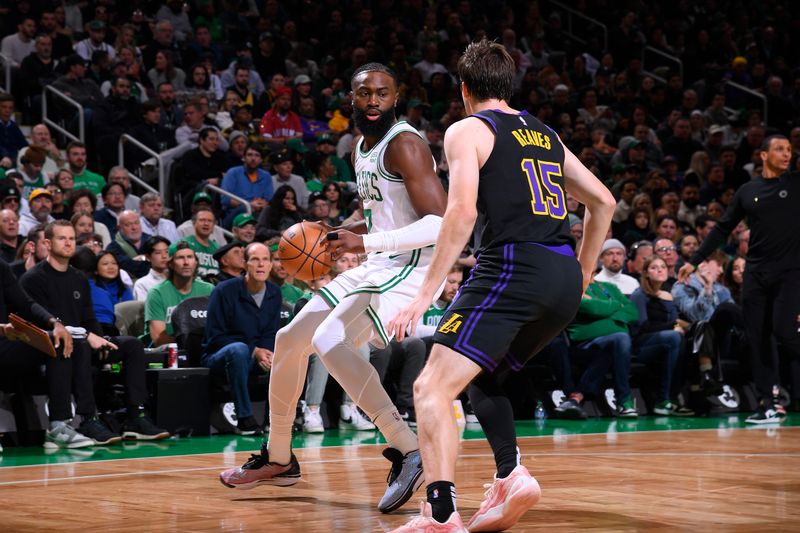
(300, 252)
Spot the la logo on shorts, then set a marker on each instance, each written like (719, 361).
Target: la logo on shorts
(452, 324)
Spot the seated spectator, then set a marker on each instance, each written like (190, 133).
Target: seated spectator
(30, 170)
(83, 177)
(638, 227)
(95, 42)
(203, 222)
(593, 365)
(33, 251)
(153, 223)
(278, 275)
(128, 245)
(59, 211)
(690, 207)
(248, 181)
(687, 247)
(9, 196)
(151, 133)
(703, 225)
(244, 228)
(205, 164)
(171, 111)
(114, 115)
(10, 238)
(339, 210)
(344, 174)
(612, 257)
(231, 262)
(156, 252)
(40, 204)
(181, 284)
(40, 136)
(63, 290)
(107, 291)
(667, 228)
(64, 180)
(638, 253)
(701, 299)
(201, 200)
(83, 202)
(280, 123)
(319, 209)
(283, 165)
(659, 333)
(193, 124)
(20, 45)
(242, 121)
(120, 175)
(282, 213)
(243, 318)
(602, 323)
(77, 86)
(12, 140)
(113, 196)
(666, 250)
(165, 71)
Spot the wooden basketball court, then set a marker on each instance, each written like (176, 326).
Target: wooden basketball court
(724, 479)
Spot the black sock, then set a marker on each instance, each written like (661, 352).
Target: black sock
(442, 497)
(496, 416)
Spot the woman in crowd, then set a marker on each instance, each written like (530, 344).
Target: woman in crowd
(638, 227)
(166, 71)
(282, 212)
(659, 332)
(82, 201)
(338, 207)
(108, 290)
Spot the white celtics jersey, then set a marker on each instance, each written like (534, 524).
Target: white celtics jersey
(387, 205)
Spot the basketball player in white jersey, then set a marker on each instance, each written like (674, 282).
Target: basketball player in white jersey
(403, 203)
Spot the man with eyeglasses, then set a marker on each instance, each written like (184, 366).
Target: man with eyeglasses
(666, 250)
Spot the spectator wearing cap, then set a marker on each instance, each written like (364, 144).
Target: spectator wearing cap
(612, 257)
(11, 137)
(714, 142)
(153, 223)
(270, 57)
(75, 84)
(575, 228)
(95, 42)
(231, 263)
(31, 169)
(280, 124)
(181, 284)
(344, 175)
(9, 235)
(40, 203)
(242, 116)
(244, 228)
(243, 318)
(201, 200)
(128, 245)
(9, 196)
(156, 252)
(414, 114)
(283, 165)
(249, 182)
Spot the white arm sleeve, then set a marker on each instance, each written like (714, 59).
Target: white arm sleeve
(418, 234)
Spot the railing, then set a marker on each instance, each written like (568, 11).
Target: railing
(591, 22)
(750, 92)
(669, 57)
(162, 180)
(81, 122)
(7, 65)
(232, 196)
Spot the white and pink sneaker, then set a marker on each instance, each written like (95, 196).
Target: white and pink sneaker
(426, 524)
(506, 501)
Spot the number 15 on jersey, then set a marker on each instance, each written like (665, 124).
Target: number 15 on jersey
(547, 196)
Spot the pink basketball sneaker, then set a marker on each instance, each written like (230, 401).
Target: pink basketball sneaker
(506, 501)
(426, 524)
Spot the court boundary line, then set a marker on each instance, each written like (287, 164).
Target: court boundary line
(364, 445)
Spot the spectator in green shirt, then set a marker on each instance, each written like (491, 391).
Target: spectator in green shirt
(181, 284)
(84, 178)
(602, 323)
(200, 241)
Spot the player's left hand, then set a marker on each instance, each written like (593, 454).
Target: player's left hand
(407, 319)
(343, 241)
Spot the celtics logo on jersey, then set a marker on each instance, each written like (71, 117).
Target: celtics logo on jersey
(368, 186)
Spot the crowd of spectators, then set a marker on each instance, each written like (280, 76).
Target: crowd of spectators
(251, 96)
